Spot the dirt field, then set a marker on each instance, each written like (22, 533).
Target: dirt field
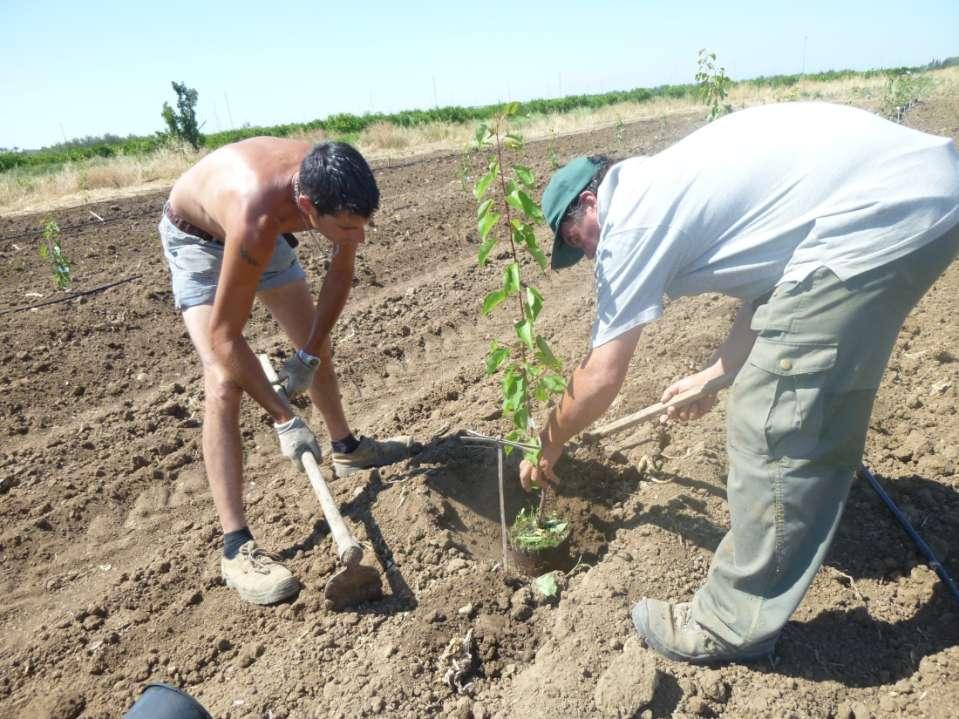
(109, 545)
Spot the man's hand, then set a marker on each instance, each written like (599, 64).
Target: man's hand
(531, 476)
(296, 374)
(295, 439)
(696, 409)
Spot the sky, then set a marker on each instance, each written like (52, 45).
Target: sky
(72, 69)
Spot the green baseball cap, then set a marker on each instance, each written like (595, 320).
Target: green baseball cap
(563, 189)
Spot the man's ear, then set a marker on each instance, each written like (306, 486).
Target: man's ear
(304, 203)
(587, 198)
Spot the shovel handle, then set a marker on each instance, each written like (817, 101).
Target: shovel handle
(348, 549)
(680, 400)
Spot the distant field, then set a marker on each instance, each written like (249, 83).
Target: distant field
(46, 179)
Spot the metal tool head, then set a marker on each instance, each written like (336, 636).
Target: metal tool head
(353, 585)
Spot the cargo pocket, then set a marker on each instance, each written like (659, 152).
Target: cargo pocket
(777, 404)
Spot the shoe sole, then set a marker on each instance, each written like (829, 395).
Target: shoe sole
(284, 590)
(640, 617)
(347, 470)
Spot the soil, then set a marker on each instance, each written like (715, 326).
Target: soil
(109, 544)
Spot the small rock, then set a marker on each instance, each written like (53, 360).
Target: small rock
(456, 564)
(713, 688)
(521, 612)
(628, 684)
(467, 610)
(698, 707)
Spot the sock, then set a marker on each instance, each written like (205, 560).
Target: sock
(232, 541)
(346, 445)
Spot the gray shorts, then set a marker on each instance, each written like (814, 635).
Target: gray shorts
(195, 266)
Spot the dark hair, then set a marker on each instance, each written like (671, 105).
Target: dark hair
(575, 211)
(337, 178)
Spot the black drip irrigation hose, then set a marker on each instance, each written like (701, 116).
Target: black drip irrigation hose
(924, 548)
(71, 296)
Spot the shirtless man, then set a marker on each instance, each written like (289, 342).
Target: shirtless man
(226, 236)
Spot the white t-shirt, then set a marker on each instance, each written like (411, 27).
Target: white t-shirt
(764, 196)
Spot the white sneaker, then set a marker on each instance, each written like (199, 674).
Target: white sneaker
(258, 576)
(372, 453)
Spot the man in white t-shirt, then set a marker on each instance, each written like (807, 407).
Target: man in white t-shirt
(830, 223)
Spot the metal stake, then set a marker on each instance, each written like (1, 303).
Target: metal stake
(502, 506)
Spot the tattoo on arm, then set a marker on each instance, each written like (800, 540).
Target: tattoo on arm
(247, 257)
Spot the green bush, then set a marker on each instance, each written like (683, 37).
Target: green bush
(347, 126)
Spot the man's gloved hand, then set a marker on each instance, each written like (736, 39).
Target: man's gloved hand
(295, 439)
(296, 374)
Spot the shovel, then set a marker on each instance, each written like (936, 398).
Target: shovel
(353, 583)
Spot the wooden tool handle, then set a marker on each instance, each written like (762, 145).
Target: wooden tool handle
(680, 400)
(348, 549)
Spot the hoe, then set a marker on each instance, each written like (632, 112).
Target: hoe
(353, 583)
(691, 395)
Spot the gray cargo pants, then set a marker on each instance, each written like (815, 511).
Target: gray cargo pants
(797, 419)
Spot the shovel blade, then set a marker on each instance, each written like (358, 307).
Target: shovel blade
(351, 586)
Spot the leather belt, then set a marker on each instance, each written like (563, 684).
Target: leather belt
(184, 226)
(191, 229)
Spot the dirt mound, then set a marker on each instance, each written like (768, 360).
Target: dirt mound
(109, 545)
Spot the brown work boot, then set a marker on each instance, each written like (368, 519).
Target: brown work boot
(258, 576)
(372, 453)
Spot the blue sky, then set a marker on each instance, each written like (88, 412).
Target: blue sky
(69, 69)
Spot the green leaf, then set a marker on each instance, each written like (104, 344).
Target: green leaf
(546, 585)
(553, 383)
(538, 255)
(483, 208)
(492, 300)
(514, 389)
(530, 208)
(546, 356)
(497, 355)
(510, 108)
(482, 184)
(517, 435)
(487, 222)
(523, 235)
(524, 174)
(521, 417)
(534, 302)
(513, 141)
(481, 134)
(488, 244)
(524, 330)
(512, 197)
(511, 279)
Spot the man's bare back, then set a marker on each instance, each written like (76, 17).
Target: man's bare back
(247, 182)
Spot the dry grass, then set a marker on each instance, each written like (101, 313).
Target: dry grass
(101, 179)
(78, 183)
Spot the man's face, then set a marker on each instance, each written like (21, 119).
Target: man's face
(341, 228)
(583, 232)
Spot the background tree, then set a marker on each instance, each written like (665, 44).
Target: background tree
(182, 121)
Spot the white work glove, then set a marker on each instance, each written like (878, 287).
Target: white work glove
(295, 439)
(296, 374)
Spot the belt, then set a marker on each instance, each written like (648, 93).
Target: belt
(184, 226)
(191, 229)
